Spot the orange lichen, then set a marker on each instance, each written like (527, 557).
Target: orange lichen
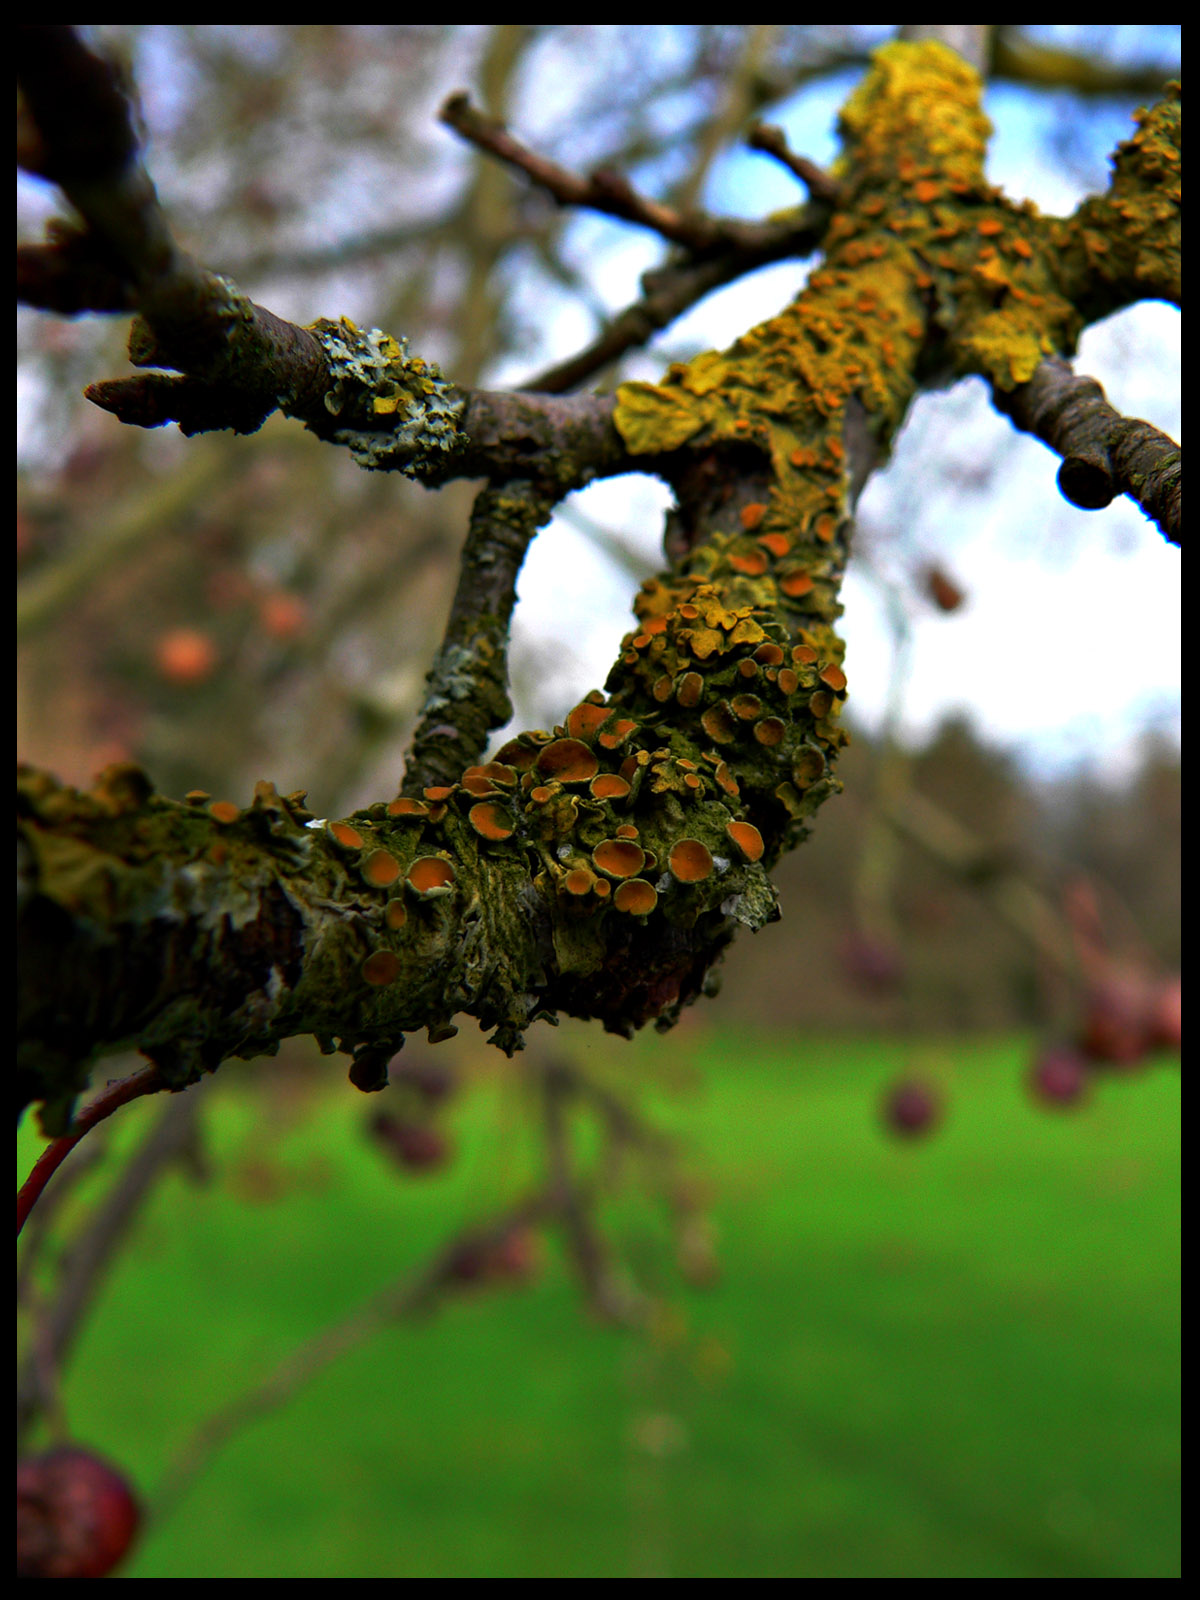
(567, 761)
(726, 779)
(586, 718)
(431, 875)
(691, 687)
(746, 706)
(788, 681)
(769, 653)
(381, 869)
(778, 544)
(381, 968)
(752, 515)
(395, 914)
(833, 676)
(402, 806)
(609, 786)
(821, 703)
(491, 820)
(718, 723)
(579, 881)
(747, 669)
(803, 654)
(517, 755)
(770, 731)
(475, 783)
(752, 562)
(617, 733)
(627, 831)
(619, 858)
(636, 897)
(440, 791)
(223, 811)
(795, 583)
(808, 766)
(349, 838)
(690, 860)
(747, 838)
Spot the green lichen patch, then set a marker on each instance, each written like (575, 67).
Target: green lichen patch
(394, 411)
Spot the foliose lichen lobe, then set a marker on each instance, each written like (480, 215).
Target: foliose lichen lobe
(394, 410)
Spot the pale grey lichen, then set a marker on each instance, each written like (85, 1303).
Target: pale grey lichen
(397, 412)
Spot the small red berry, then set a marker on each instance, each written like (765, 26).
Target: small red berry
(76, 1515)
(413, 1144)
(912, 1108)
(516, 1257)
(282, 614)
(872, 963)
(429, 1079)
(185, 655)
(1059, 1076)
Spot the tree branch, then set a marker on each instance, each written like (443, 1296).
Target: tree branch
(773, 142)
(468, 682)
(605, 191)
(1104, 453)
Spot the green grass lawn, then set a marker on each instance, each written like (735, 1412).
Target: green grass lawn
(953, 1358)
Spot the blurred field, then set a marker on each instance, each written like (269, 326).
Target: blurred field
(957, 1358)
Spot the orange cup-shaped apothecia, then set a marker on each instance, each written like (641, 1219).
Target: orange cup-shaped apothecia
(690, 860)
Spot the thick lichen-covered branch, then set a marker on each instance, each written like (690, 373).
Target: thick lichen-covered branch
(598, 868)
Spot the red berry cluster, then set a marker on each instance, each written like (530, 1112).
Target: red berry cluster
(1127, 1017)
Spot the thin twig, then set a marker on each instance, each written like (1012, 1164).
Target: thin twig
(149, 1081)
(671, 290)
(573, 1205)
(773, 142)
(58, 1320)
(606, 191)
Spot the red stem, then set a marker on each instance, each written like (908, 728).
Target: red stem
(118, 1093)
